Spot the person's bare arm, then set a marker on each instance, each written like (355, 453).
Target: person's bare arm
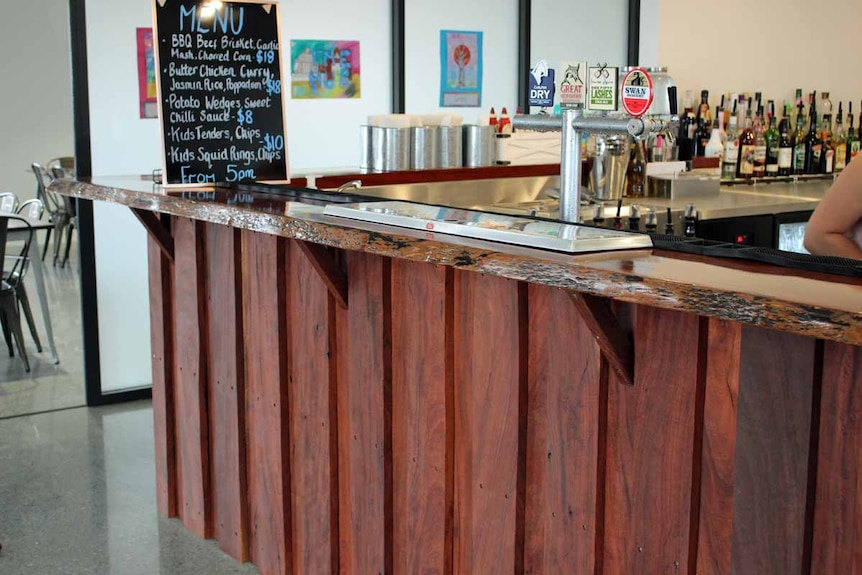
(841, 208)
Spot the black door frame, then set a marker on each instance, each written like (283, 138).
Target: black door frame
(83, 159)
(86, 237)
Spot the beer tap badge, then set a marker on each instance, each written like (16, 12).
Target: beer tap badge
(637, 92)
(603, 88)
(573, 90)
(542, 85)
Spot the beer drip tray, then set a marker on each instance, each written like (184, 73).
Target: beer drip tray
(805, 262)
(521, 231)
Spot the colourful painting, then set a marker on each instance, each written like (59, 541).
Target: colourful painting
(324, 69)
(147, 74)
(460, 69)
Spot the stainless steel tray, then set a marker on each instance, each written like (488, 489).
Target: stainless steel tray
(571, 238)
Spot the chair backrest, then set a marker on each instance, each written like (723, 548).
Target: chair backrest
(31, 209)
(20, 263)
(66, 163)
(49, 200)
(8, 203)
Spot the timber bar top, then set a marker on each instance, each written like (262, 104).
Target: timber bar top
(816, 305)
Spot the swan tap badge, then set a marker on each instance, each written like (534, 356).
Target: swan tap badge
(542, 85)
(637, 92)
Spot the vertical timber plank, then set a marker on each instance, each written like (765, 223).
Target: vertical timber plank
(191, 397)
(562, 443)
(365, 417)
(838, 514)
(651, 434)
(421, 421)
(311, 427)
(162, 342)
(775, 406)
(227, 390)
(265, 331)
(488, 402)
(719, 448)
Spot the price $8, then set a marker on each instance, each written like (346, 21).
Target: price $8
(244, 117)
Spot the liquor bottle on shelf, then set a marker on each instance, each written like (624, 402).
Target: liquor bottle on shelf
(731, 148)
(759, 145)
(747, 143)
(827, 154)
(701, 137)
(703, 125)
(785, 148)
(800, 106)
(685, 140)
(826, 112)
(636, 171)
(714, 147)
(703, 109)
(852, 136)
(839, 141)
(799, 142)
(813, 144)
(772, 136)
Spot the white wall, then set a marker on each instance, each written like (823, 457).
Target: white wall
(497, 20)
(773, 46)
(121, 143)
(37, 97)
(581, 30)
(325, 133)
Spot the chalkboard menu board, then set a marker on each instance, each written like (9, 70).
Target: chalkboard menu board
(220, 92)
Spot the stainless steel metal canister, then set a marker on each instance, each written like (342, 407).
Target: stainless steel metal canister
(479, 146)
(449, 150)
(390, 149)
(366, 150)
(608, 176)
(425, 141)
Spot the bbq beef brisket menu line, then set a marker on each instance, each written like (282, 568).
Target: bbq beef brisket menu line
(220, 92)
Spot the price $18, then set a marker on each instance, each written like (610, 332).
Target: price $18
(265, 56)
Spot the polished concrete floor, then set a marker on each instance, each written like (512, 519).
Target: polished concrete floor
(77, 496)
(48, 386)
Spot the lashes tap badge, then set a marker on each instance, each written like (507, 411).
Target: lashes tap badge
(603, 88)
(542, 85)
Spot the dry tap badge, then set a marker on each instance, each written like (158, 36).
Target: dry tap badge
(542, 85)
(637, 92)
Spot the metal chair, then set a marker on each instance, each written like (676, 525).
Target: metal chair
(8, 203)
(11, 321)
(32, 210)
(58, 213)
(71, 207)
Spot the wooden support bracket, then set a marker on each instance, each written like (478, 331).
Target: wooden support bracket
(612, 339)
(327, 268)
(157, 231)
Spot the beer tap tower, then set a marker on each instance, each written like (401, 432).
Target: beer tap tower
(573, 123)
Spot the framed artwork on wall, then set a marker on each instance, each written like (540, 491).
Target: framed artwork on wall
(460, 69)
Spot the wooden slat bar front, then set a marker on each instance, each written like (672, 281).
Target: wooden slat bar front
(452, 422)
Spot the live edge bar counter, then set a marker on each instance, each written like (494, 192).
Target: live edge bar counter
(332, 398)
